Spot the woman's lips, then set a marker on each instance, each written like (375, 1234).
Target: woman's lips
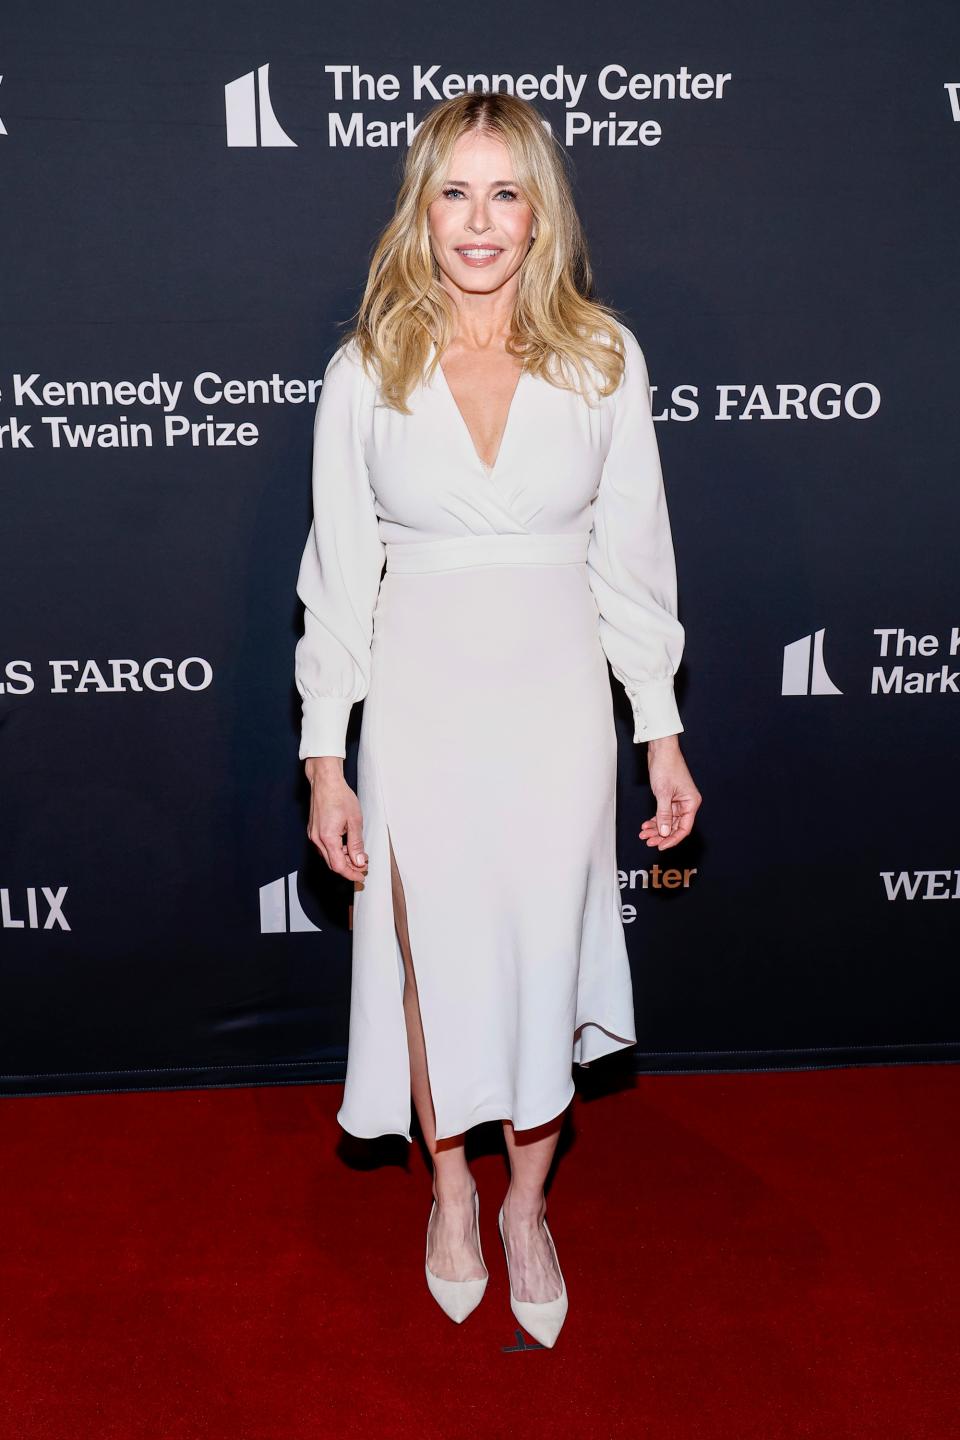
(478, 256)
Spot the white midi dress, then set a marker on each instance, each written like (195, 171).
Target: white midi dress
(488, 752)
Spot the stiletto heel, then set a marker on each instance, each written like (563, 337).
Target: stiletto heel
(457, 1298)
(540, 1318)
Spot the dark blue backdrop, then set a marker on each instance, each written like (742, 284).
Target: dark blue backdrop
(184, 196)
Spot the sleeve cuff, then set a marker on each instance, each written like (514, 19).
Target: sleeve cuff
(324, 728)
(655, 712)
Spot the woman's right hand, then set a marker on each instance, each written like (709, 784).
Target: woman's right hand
(334, 808)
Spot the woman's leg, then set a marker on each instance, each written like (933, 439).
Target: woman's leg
(453, 1253)
(534, 1274)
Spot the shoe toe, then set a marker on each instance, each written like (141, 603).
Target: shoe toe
(456, 1298)
(543, 1321)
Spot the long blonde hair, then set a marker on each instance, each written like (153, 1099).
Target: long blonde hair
(405, 309)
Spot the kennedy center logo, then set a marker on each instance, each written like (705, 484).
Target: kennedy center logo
(250, 117)
(280, 909)
(804, 672)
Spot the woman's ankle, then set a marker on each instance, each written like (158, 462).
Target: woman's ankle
(524, 1207)
(454, 1191)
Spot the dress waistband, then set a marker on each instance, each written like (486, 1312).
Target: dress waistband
(458, 551)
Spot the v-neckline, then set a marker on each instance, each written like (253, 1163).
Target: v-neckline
(489, 471)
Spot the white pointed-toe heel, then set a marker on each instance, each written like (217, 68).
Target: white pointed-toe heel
(540, 1318)
(457, 1298)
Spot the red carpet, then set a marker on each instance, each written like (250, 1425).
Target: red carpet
(758, 1255)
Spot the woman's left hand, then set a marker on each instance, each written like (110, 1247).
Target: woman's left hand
(678, 799)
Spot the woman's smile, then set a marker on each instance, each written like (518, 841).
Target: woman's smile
(478, 255)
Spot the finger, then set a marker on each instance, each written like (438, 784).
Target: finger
(664, 818)
(682, 823)
(664, 842)
(681, 832)
(680, 807)
(686, 810)
(355, 848)
(651, 827)
(342, 865)
(336, 855)
(339, 861)
(679, 829)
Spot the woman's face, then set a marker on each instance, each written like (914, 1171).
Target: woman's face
(480, 224)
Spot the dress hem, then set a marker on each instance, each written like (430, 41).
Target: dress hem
(481, 1117)
(596, 1047)
(489, 1113)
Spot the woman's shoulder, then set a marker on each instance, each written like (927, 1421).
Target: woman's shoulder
(635, 372)
(346, 358)
(345, 386)
(634, 361)
(633, 353)
(346, 373)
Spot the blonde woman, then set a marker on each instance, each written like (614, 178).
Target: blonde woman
(485, 432)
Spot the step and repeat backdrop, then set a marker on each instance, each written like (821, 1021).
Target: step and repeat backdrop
(190, 200)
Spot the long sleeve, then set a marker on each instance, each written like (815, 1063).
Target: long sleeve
(630, 559)
(340, 571)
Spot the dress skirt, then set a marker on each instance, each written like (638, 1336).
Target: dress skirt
(488, 758)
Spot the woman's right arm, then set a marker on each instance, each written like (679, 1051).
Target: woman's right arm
(338, 582)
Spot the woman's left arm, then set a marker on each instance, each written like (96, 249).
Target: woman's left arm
(632, 572)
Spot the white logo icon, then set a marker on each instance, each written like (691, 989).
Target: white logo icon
(2, 129)
(803, 676)
(244, 103)
(277, 900)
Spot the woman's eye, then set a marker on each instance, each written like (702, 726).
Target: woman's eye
(449, 191)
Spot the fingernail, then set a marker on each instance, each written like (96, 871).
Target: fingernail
(664, 829)
(361, 858)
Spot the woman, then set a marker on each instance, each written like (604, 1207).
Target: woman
(486, 432)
